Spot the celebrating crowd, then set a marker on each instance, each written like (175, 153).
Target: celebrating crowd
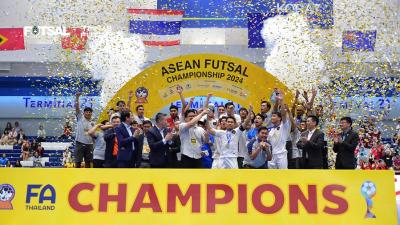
(278, 137)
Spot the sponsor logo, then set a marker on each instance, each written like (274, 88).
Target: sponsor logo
(39, 197)
(7, 193)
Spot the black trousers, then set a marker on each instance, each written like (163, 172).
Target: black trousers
(240, 162)
(98, 163)
(83, 152)
(308, 166)
(124, 164)
(188, 162)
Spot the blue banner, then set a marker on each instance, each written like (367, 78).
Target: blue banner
(48, 86)
(319, 14)
(155, 27)
(233, 13)
(356, 40)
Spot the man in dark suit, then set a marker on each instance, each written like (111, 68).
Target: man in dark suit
(312, 144)
(160, 140)
(137, 158)
(111, 144)
(344, 144)
(127, 141)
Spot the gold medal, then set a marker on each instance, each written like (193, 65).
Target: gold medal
(193, 140)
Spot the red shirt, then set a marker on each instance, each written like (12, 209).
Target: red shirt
(171, 121)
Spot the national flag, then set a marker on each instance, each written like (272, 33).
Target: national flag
(355, 40)
(157, 27)
(76, 40)
(11, 39)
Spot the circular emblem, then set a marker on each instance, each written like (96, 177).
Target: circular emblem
(7, 193)
(141, 95)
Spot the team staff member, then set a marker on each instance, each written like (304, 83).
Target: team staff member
(312, 143)
(111, 143)
(344, 144)
(128, 140)
(83, 141)
(192, 137)
(259, 151)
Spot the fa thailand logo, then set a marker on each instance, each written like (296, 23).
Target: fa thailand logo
(141, 95)
(7, 193)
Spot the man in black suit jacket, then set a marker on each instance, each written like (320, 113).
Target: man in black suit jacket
(159, 139)
(344, 144)
(312, 144)
(127, 141)
(109, 138)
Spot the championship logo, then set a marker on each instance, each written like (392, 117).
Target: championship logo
(368, 191)
(7, 193)
(141, 95)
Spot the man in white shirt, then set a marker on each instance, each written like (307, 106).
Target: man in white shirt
(192, 137)
(278, 136)
(227, 142)
(226, 145)
(211, 116)
(265, 112)
(230, 111)
(139, 117)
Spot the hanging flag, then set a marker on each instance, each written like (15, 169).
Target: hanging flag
(356, 40)
(157, 27)
(11, 39)
(76, 40)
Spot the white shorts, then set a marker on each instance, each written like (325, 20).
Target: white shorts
(278, 161)
(225, 163)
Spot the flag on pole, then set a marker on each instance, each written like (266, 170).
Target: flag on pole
(157, 27)
(11, 39)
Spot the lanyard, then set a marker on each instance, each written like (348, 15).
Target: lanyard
(229, 136)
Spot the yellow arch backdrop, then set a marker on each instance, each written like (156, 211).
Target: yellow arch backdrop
(199, 74)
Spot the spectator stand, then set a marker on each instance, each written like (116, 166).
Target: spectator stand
(52, 156)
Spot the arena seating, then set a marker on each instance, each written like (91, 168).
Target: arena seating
(52, 156)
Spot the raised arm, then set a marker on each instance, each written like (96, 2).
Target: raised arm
(77, 104)
(314, 93)
(284, 112)
(209, 95)
(130, 96)
(196, 118)
(309, 105)
(292, 121)
(247, 121)
(179, 89)
(280, 100)
(296, 100)
(92, 131)
(209, 129)
(275, 107)
(187, 107)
